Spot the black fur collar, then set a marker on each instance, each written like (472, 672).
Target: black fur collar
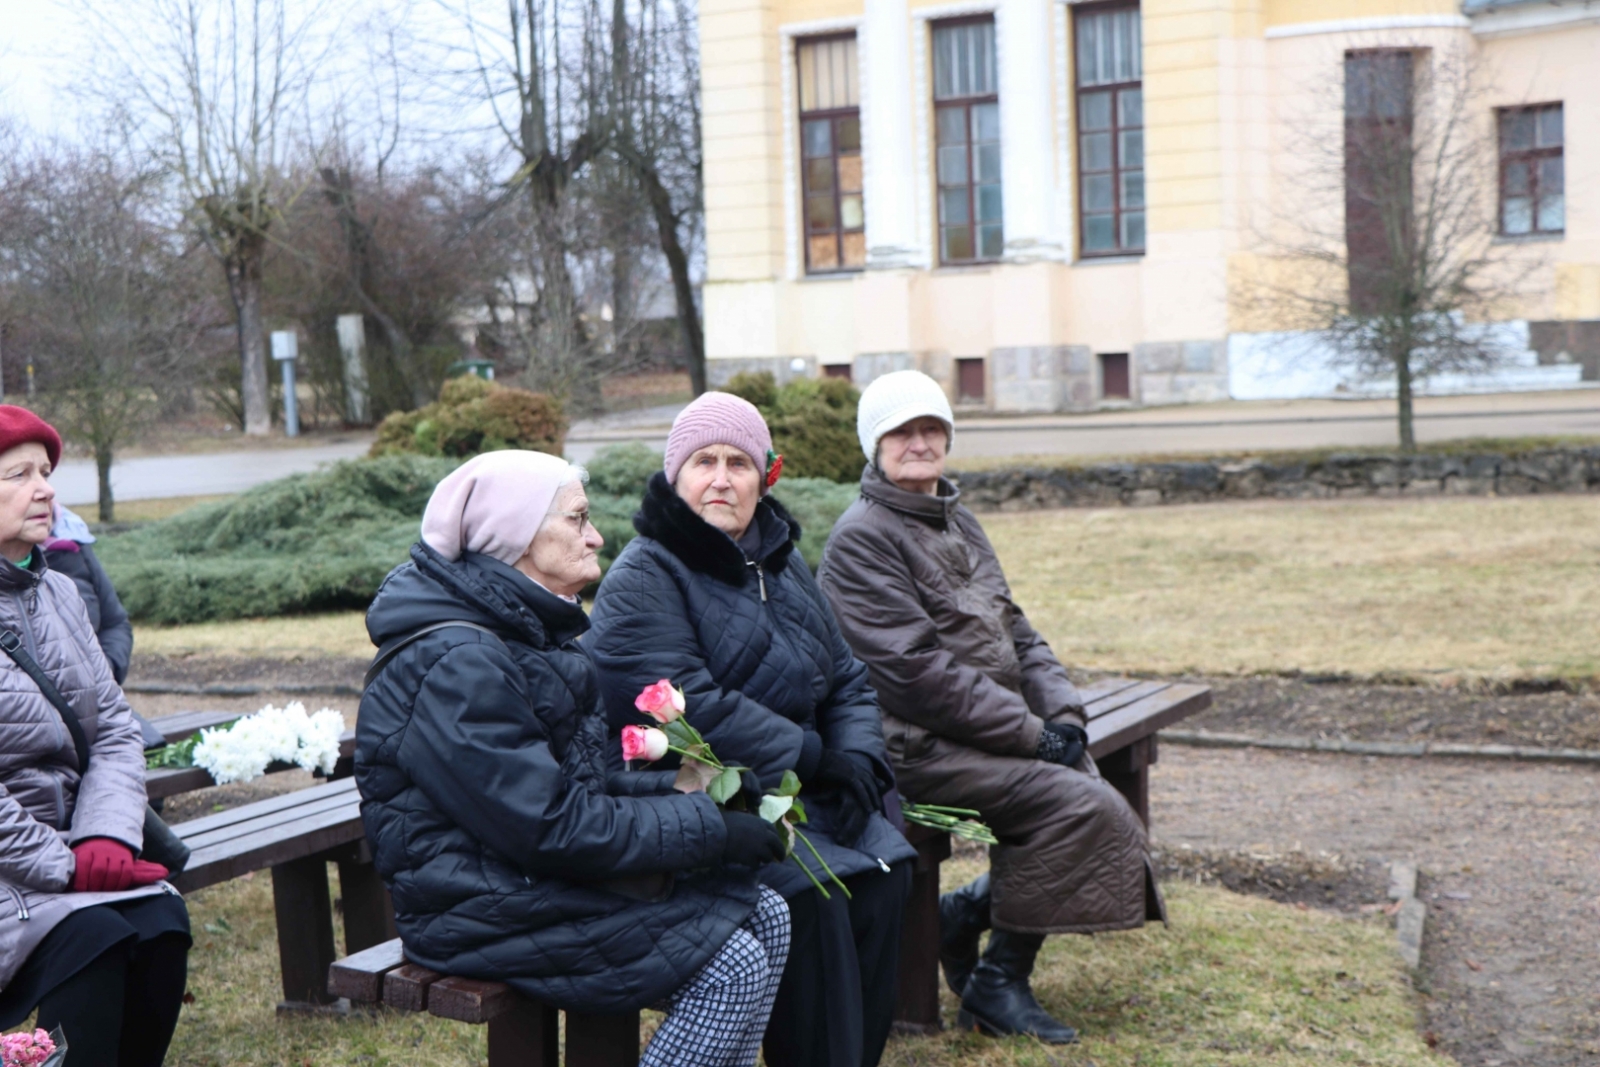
(665, 518)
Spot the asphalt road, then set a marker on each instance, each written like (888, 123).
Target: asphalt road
(1233, 426)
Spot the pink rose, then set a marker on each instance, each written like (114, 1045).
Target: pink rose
(643, 742)
(663, 701)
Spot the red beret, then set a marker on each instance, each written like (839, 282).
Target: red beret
(19, 426)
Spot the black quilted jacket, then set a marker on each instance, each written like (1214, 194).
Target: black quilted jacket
(485, 795)
(768, 677)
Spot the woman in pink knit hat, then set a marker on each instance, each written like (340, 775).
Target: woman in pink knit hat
(714, 597)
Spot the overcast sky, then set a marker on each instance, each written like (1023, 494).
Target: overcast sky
(39, 49)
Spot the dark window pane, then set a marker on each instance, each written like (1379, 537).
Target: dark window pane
(1132, 188)
(1133, 229)
(1516, 130)
(989, 203)
(851, 215)
(1550, 126)
(953, 206)
(991, 243)
(1552, 212)
(817, 137)
(1094, 111)
(849, 133)
(1377, 85)
(1130, 148)
(1130, 107)
(819, 213)
(1099, 234)
(819, 176)
(1097, 192)
(952, 125)
(1516, 178)
(1096, 151)
(1552, 178)
(957, 243)
(952, 164)
(988, 163)
(986, 122)
(1517, 214)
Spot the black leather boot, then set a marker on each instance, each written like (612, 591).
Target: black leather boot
(963, 917)
(998, 1000)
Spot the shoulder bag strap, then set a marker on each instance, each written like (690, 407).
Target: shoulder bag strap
(11, 645)
(389, 650)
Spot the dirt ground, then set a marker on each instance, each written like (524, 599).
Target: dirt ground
(1510, 875)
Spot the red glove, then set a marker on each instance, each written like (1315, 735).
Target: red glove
(147, 873)
(104, 866)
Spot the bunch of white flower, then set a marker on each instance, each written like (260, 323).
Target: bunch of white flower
(242, 751)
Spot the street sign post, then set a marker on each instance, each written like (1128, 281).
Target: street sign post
(285, 349)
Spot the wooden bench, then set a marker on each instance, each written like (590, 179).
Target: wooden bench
(172, 781)
(1124, 718)
(297, 835)
(522, 1032)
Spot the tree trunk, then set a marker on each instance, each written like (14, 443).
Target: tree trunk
(102, 466)
(694, 338)
(244, 281)
(1408, 437)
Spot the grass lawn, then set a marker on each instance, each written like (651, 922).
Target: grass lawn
(1235, 980)
(1474, 588)
(1437, 589)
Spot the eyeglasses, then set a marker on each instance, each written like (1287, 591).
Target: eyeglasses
(580, 518)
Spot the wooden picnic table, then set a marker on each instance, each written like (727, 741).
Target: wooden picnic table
(1124, 717)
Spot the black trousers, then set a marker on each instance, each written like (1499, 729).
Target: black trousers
(836, 1001)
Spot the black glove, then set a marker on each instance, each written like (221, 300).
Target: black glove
(752, 840)
(1061, 742)
(858, 792)
(750, 791)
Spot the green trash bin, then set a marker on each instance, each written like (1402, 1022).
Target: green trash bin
(482, 368)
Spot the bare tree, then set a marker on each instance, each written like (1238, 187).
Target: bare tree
(101, 298)
(211, 90)
(1406, 283)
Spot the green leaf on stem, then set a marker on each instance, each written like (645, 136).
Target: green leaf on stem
(694, 776)
(798, 812)
(789, 786)
(774, 808)
(724, 786)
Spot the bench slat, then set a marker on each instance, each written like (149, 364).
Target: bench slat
(360, 977)
(258, 808)
(252, 852)
(1144, 717)
(185, 723)
(1122, 698)
(469, 1000)
(1105, 687)
(310, 809)
(406, 987)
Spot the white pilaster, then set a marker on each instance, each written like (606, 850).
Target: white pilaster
(1023, 39)
(887, 133)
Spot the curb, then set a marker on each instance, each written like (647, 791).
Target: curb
(1207, 739)
(239, 690)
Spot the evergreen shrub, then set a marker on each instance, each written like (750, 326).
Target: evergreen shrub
(813, 423)
(472, 416)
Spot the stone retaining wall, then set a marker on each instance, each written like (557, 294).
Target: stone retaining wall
(1575, 470)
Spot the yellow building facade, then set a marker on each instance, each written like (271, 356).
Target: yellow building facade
(1049, 206)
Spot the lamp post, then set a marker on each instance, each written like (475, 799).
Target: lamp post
(285, 348)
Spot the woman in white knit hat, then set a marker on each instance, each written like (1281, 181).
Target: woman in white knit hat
(978, 713)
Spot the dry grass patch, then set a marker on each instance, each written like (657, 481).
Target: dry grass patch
(152, 510)
(338, 633)
(1473, 588)
(1236, 980)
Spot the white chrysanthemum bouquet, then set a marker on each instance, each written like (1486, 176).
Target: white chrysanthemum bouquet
(245, 748)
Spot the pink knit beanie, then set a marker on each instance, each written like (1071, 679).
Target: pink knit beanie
(717, 419)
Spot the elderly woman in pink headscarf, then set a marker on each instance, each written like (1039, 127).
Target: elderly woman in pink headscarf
(510, 852)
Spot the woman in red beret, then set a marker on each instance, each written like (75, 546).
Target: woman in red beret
(90, 934)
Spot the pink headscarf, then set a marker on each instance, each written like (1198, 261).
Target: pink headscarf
(493, 504)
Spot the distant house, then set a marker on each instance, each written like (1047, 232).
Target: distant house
(1045, 204)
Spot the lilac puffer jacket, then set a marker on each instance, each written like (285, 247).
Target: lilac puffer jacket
(45, 806)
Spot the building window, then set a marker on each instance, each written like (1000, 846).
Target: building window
(970, 380)
(1532, 174)
(967, 118)
(1110, 131)
(830, 155)
(1379, 166)
(1115, 382)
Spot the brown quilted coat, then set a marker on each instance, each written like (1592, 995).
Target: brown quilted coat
(965, 685)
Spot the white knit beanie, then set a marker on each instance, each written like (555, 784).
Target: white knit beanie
(894, 400)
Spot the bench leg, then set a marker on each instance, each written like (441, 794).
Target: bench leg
(602, 1040)
(1128, 770)
(917, 1007)
(368, 912)
(524, 1036)
(305, 930)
